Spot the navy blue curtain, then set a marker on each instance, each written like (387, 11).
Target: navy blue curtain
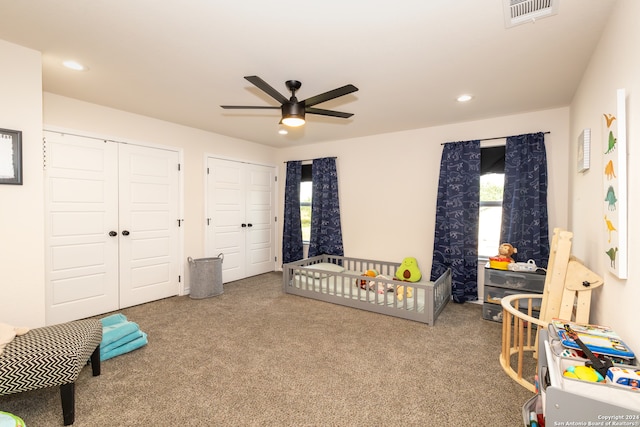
(524, 208)
(292, 228)
(455, 242)
(326, 232)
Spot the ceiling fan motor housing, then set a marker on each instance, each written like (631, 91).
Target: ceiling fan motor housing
(293, 108)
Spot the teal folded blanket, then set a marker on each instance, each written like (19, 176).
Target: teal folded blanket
(113, 319)
(118, 331)
(119, 336)
(124, 340)
(125, 348)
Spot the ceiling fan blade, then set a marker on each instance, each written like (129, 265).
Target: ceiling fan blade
(249, 107)
(331, 113)
(323, 97)
(265, 87)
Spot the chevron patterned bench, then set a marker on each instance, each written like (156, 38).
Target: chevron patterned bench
(52, 356)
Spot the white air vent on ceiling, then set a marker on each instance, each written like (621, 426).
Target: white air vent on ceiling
(518, 12)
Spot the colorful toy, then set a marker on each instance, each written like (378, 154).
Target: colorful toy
(368, 273)
(383, 287)
(503, 259)
(584, 373)
(10, 420)
(624, 377)
(401, 290)
(506, 250)
(408, 270)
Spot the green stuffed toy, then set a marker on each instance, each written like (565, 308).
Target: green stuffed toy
(7, 419)
(408, 270)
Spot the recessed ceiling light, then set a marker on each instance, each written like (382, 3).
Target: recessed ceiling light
(464, 98)
(74, 65)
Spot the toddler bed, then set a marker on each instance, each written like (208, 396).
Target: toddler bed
(339, 280)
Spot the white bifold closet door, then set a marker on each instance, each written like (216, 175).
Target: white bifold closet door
(111, 225)
(240, 217)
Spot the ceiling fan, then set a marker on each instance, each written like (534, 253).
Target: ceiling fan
(293, 111)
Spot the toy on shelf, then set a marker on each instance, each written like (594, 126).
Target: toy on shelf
(596, 338)
(624, 377)
(529, 266)
(503, 259)
(584, 373)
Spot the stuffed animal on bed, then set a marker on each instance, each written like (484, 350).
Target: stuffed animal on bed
(408, 270)
(401, 290)
(382, 287)
(368, 273)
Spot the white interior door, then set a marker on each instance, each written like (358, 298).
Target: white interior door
(82, 209)
(149, 229)
(225, 216)
(240, 218)
(260, 234)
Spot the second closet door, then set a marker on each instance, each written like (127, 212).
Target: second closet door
(240, 217)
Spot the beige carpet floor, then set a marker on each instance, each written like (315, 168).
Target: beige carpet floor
(255, 356)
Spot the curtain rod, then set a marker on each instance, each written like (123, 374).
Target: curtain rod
(308, 160)
(491, 139)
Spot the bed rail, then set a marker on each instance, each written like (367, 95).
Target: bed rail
(342, 287)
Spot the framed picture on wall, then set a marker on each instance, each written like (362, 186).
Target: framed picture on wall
(10, 156)
(584, 150)
(614, 189)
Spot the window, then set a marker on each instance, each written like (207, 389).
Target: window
(491, 190)
(306, 194)
(491, 186)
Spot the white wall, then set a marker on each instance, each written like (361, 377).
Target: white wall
(21, 215)
(614, 65)
(388, 183)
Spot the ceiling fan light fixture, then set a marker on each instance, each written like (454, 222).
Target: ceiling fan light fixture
(293, 121)
(293, 114)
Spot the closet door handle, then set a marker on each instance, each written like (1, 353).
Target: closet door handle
(249, 225)
(244, 225)
(125, 233)
(113, 234)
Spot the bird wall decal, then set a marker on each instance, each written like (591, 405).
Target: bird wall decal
(610, 227)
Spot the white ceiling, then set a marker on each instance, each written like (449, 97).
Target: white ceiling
(180, 60)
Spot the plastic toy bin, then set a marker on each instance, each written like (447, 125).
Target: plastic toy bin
(205, 277)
